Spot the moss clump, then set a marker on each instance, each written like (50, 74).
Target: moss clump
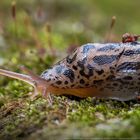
(69, 118)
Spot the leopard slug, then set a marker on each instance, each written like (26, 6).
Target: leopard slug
(108, 70)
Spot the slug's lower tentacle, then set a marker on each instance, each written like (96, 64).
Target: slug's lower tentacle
(43, 90)
(39, 84)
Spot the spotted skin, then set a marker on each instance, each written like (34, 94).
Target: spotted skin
(112, 68)
(86, 64)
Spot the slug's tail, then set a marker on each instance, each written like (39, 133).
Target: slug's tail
(39, 84)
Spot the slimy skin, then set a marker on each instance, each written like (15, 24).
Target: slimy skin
(103, 70)
(109, 70)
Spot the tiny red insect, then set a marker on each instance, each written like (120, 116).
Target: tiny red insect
(127, 37)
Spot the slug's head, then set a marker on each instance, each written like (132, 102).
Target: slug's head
(60, 76)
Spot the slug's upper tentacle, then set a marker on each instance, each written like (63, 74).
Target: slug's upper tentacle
(23, 77)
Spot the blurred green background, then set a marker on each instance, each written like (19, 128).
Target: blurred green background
(72, 21)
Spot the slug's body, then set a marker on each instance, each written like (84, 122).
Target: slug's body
(110, 70)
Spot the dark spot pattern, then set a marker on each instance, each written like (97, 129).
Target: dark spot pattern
(129, 66)
(100, 72)
(134, 43)
(58, 82)
(96, 82)
(82, 81)
(87, 85)
(128, 78)
(108, 47)
(69, 74)
(112, 69)
(87, 47)
(115, 84)
(105, 59)
(74, 67)
(66, 82)
(132, 84)
(110, 77)
(138, 83)
(70, 60)
(72, 85)
(48, 80)
(90, 71)
(131, 52)
(123, 82)
(82, 73)
(82, 62)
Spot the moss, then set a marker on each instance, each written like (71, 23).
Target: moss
(68, 118)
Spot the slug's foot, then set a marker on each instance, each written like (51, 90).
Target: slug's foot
(49, 98)
(35, 95)
(47, 95)
(42, 92)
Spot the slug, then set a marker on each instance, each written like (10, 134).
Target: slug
(108, 70)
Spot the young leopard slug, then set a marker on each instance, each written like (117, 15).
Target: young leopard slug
(109, 70)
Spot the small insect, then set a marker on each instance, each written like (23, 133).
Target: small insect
(108, 70)
(129, 38)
